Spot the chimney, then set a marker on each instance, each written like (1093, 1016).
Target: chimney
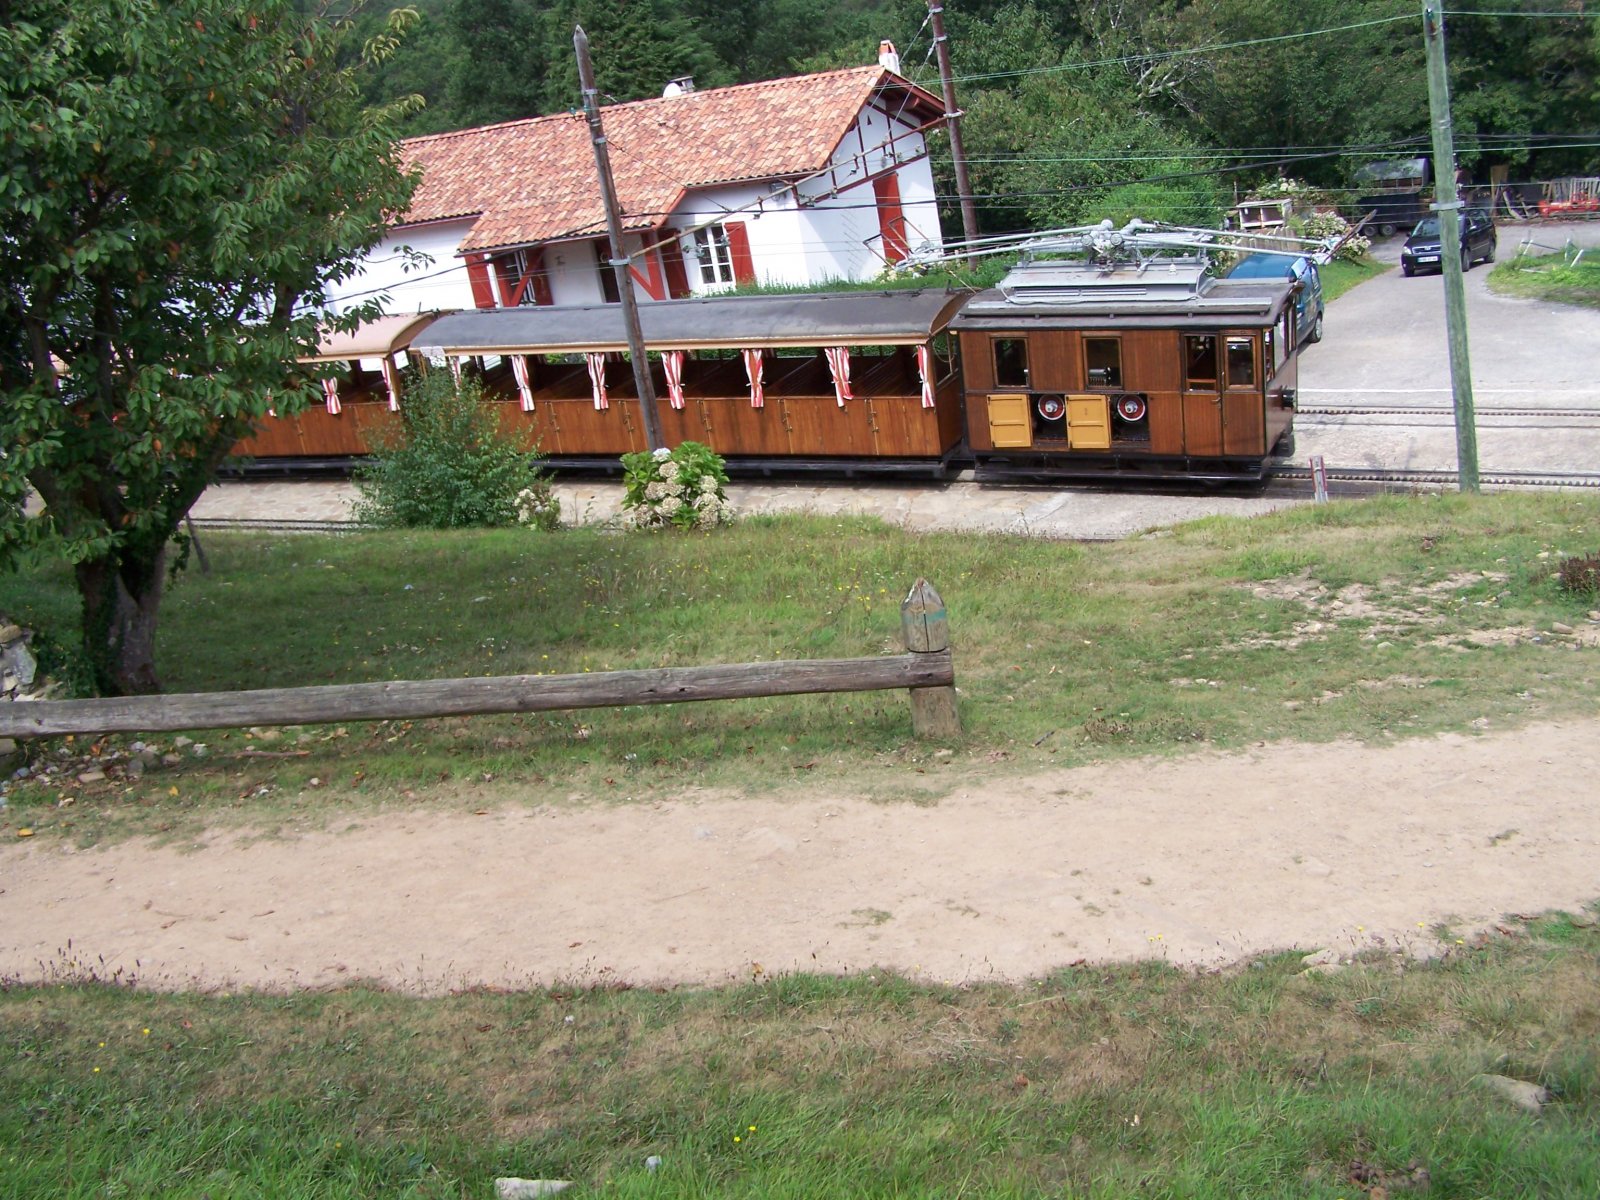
(681, 86)
(888, 56)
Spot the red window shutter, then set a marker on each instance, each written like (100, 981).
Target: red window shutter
(541, 279)
(478, 277)
(505, 271)
(891, 220)
(744, 267)
(672, 263)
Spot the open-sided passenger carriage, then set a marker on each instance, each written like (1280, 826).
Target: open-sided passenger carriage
(767, 381)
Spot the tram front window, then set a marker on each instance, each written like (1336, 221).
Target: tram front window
(1011, 362)
(1200, 362)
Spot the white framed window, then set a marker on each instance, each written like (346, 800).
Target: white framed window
(713, 256)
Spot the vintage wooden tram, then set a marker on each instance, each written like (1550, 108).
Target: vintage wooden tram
(1098, 365)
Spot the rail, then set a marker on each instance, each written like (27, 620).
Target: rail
(926, 670)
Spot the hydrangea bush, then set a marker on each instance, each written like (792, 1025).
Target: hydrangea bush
(684, 488)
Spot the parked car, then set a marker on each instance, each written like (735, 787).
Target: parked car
(1478, 243)
(1308, 304)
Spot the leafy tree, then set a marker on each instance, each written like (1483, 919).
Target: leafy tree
(510, 53)
(1055, 137)
(179, 179)
(1364, 85)
(1519, 84)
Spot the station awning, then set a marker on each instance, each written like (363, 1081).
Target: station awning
(372, 339)
(833, 319)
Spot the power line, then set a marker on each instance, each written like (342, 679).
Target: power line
(1189, 52)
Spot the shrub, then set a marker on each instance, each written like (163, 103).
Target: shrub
(1581, 576)
(447, 465)
(684, 488)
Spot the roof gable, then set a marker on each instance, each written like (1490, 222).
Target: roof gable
(534, 180)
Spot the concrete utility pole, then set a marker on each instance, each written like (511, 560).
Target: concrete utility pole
(952, 120)
(1448, 207)
(620, 262)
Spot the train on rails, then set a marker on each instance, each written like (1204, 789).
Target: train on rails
(1125, 355)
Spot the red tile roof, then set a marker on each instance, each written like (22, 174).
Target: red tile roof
(534, 180)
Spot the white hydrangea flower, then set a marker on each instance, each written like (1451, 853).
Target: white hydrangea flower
(656, 491)
(661, 455)
(669, 506)
(708, 483)
(669, 469)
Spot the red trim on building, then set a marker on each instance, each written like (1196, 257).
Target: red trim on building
(652, 282)
(672, 263)
(539, 276)
(478, 277)
(891, 219)
(744, 267)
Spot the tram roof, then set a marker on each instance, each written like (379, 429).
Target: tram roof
(878, 318)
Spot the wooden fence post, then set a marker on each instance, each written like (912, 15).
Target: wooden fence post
(926, 631)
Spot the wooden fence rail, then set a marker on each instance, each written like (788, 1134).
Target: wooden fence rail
(927, 670)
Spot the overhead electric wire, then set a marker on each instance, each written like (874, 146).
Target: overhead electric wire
(1188, 52)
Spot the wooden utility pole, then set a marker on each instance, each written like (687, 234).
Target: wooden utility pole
(620, 263)
(1448, 207)
(952, 120)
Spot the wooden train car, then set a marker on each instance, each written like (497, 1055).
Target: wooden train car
(1070, 368)
(1080, 368)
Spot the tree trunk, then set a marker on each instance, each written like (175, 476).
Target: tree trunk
(121, 595)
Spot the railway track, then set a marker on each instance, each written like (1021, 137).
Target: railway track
(1378, 478)
(1444, 410)
(1285, 480)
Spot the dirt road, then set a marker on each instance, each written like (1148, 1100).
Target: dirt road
(1200, 860)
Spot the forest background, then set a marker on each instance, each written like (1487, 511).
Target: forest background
(1164, 108)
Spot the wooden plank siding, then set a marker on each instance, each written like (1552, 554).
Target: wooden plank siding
(1210, 423)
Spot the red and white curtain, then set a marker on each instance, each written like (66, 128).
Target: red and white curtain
(754, 368)
(597, 377)
(839, 367)
(519, 371)
(672, 365)
(455, 369)
(391, 381)
(330, 396)
(925, 369)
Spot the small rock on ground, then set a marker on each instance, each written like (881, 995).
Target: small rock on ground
(1529, 1097)
(510, 1188)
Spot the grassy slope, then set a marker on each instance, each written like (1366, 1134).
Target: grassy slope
(1064, 652)
(1549, 277)
(1339, 276)
(1135, 1081)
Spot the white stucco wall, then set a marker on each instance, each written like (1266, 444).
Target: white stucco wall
(439, 284)
(830, 236)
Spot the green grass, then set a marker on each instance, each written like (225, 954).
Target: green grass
(1553, 277)
(1136, 1081)
(1340, 275)
(1064, 653)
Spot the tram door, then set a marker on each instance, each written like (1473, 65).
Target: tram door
(1222, 403)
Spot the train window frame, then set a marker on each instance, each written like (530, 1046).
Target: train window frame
(1002, 380)
(1246, 341)
(1111, 383)
(1212, 385)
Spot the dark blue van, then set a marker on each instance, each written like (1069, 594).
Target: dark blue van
(1308, 304)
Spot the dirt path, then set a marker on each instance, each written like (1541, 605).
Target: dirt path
(1199, 860)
